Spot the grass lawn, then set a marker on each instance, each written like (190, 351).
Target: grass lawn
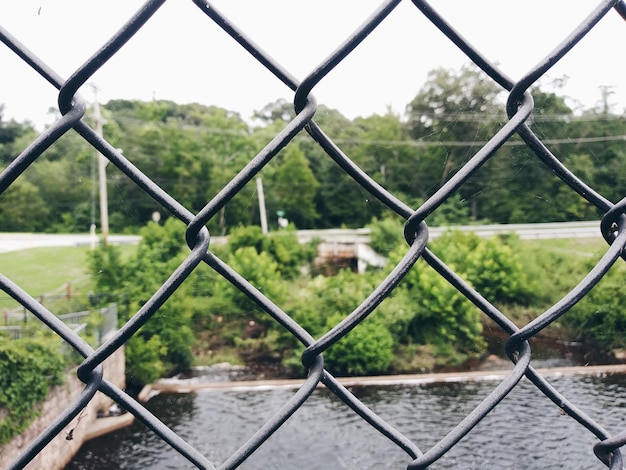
(48, 270)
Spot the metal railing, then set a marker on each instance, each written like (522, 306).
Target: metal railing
(77, 321)
(519, 108)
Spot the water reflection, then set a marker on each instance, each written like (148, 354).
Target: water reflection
(525, 431)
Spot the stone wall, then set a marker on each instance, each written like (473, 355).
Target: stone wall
(61, 450)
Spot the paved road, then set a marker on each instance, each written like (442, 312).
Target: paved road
(21, 241)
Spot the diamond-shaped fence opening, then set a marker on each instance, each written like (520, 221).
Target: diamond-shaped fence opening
(519, 112)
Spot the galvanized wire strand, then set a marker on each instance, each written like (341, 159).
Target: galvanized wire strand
(315, 374)
(516, 90)
(574, 296)
(148, 309)
(254, 166)
(156, 426)
(479, 159)
(620, 8)
(477, 414)
(108, 50)
(609, 448)
(327, 379)
(508, 326)
(390, 432)
(60, 422)
(463, 44)
(293, 83)
(519, 110)
(62, 125)
(258, 298)
(372, 301)
(304, 89)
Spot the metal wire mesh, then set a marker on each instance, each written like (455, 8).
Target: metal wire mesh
(519, 108)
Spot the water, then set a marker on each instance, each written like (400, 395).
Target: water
(525, 431)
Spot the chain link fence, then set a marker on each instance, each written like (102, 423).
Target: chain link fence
(519, 108)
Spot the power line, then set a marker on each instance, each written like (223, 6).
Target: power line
(429, 143)
(474, 143)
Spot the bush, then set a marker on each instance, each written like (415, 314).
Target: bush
(496, 272)
(283, 247)
(144, 360)
(600, 318)
(386, 235)
(367, 349)
(164, 344)
(261, 271)
(27, 370)
(434, 312)
(492, 266)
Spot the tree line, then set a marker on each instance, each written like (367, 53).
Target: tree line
(192, 151)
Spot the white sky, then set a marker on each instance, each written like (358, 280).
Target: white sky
(183, 56)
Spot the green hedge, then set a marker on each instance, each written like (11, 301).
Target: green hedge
(27, 370)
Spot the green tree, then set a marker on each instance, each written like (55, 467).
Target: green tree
(456, 110)
(367, 349)
(600, 318)
(11, 135)
(292, 188)
(192, 151)
(22, 208)
(164, 344)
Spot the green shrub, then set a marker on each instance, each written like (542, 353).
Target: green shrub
(283, 247)
(144, 360)
(164, 344)
(27, 370)
(492, 266)
(496, 272)
(600, 318)
(434, 312)
(386, 235)
(367, 349)
(261, 271)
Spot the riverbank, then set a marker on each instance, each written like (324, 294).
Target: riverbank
(195, 384)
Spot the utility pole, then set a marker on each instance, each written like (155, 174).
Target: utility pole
(102, 177)
(262, 214)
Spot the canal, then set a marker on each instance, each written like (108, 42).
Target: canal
(525, 431)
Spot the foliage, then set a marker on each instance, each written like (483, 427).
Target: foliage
(192, 151)
(282, 247)
(385, 235)
(164, 343)
(600, 318)
(292, 188)
(430, 311)
(367, 349)
(144, 360)
(27, 369)
(23, 208)
(491, 266)
(259, 270)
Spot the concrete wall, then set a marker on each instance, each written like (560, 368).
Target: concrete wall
(60, 450)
